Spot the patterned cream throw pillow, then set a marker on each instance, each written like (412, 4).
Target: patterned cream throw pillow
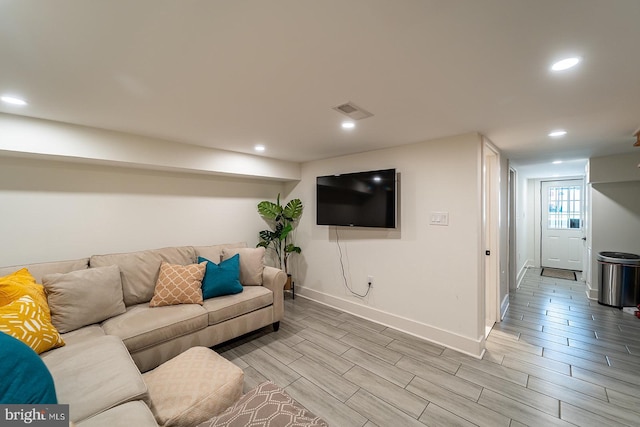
(178, 284)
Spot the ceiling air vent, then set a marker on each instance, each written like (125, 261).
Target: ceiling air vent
(352, 111)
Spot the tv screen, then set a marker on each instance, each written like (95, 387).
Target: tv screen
(361, 199)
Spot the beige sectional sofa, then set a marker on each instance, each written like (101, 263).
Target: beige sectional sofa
(98, 371)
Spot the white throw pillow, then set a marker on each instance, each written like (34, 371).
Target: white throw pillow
(84, 297)
(251, 264)
(214, 252)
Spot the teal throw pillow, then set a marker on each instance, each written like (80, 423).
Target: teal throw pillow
(221, 279)
(25, 378)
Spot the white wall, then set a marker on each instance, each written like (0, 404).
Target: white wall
(523, 229)
(532, 249)
(617, 168)
(616, 217)
(27, 137)
(504, 235)
(427, 279)
(69, 191)
(615, 210)
(53, 211)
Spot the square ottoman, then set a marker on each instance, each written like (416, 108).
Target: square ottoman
(193, 387)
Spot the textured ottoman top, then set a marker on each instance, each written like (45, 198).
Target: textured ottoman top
(192, 387)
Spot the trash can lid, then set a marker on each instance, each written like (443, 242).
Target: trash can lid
(619, 258)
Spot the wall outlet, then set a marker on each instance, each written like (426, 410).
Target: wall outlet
(370, 281)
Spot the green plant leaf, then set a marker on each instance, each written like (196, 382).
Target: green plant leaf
(268, 236)
(285, 230)
(269, 210)
(292, 248)
(293, 210)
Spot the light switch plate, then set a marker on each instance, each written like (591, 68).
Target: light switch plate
(439, 218)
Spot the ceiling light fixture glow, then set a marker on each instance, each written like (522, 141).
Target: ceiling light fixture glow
(348, 125)
(260, 148)
(566, 63)
(557, 162)
(13, 100)
(557, 133)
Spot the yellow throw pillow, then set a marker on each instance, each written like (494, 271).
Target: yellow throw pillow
(22, 283)
(178, 284)
(24, 319)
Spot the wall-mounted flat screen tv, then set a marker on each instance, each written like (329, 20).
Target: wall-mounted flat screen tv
(361, 199)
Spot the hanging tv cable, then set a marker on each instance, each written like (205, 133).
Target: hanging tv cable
(344, 276)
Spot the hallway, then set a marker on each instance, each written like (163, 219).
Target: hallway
(581, 353)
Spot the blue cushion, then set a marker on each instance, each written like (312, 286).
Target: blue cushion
(221, 279)
(25, 378)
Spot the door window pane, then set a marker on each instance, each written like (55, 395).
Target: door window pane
(564, 207)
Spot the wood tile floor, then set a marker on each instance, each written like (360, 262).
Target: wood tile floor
(556, 359)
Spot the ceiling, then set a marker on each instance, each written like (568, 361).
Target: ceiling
(232, 74)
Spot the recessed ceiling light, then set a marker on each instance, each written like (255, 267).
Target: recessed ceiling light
(348, 125)
(557, 133)
(260, 148)
(13, 100)
(565, 64)
(557, 162)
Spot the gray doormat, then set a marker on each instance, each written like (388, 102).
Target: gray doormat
(557, 273)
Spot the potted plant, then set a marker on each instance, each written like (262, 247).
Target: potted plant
(282, 220)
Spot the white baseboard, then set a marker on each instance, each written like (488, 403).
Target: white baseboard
(504, 306)
(592, 293)
(522, 272)
(468, 346)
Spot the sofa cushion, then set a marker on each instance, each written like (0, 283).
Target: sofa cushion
(178, 284)
(25, 379)
(214, 252)
(84, 297)
(94, 376)
(193, 387)
(139, 270)
(20, 283)
(221, 278)
(251, 264)
(40, 269)
(25, 320)
(230, 306)
(81, 335)
(135, 413)
(266, 405)
(142, 326)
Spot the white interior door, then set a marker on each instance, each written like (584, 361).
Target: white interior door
(562, 225)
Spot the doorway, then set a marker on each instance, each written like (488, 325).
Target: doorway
(562, 225)
(511, 241)
(491, 223)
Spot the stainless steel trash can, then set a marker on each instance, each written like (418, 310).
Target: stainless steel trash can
(619, 274)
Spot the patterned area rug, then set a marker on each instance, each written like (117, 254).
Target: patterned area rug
(558, 274)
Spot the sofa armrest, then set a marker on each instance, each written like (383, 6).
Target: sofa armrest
(274, 280)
